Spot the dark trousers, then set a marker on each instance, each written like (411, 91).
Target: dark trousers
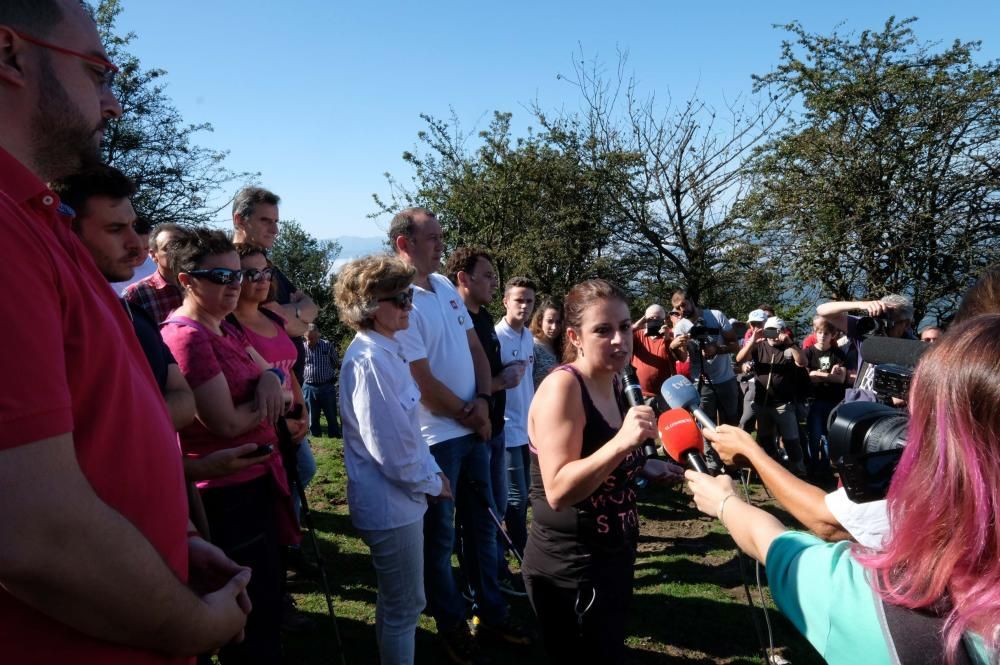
(243, 521)
(585, 624)
(322, 397)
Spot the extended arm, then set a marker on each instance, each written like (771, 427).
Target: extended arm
(752, 528)
(804, 501)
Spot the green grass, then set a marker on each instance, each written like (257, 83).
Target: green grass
(689, 604)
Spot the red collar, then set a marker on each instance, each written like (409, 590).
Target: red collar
(17, 182)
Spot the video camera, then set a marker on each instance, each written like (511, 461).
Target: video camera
(866, 439)
(702, 334)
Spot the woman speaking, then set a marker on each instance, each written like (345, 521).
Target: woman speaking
(941, 561)
(580, 556)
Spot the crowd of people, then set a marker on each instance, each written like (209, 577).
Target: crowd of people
(150, 437)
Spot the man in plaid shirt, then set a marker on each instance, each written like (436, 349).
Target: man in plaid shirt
(320, 382)
(158, 294)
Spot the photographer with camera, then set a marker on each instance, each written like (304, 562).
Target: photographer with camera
(705, 338)
(775, 361)
(929, 594)
(651, 355)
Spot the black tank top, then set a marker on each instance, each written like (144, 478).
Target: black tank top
(565, 545)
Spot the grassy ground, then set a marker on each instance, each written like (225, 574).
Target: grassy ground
(689, 606)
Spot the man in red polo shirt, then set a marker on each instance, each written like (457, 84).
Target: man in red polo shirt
(94, 556)
(651, 357)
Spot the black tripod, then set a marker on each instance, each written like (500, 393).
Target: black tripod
(288, 447)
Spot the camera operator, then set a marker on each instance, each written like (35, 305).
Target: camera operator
(928, 595)
(705, 338)
(651, 355)
(775, 361)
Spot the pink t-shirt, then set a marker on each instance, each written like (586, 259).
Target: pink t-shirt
(202, 355)
(277, 350)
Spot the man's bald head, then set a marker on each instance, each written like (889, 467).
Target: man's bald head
(656, 312)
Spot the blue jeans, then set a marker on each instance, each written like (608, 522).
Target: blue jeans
(519, 478)
(465, 461)
(322, 397)
(817, 457)
(398, 559)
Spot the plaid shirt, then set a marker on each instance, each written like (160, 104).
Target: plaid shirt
(321, 362)
(154, 295)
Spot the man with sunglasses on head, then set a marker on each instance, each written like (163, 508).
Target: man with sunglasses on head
(94, 546)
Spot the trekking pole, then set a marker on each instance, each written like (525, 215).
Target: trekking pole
(476, 487)
(287, 446)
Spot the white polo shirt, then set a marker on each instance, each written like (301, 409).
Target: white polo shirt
(438, 331)
(515, 347)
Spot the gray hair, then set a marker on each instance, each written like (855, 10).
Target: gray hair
(901, 306)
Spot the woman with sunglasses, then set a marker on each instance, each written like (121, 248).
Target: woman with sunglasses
(391, 473)
(230, 448)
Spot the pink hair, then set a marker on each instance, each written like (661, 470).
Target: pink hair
(944, 502)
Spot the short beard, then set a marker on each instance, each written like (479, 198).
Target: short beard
(61, 141)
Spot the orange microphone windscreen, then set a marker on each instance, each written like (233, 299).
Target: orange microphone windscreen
(679, 434)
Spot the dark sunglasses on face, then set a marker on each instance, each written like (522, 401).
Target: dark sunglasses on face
(254, 275)
(401, 300)
(221, 276)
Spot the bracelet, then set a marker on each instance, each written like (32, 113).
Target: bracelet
(278, 373)
(722, 507)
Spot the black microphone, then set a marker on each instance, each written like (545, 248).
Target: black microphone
(892, 351)
(633, 395)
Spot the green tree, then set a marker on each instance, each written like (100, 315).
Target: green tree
(177, 180)
(535, 202)
(308, 263)
(886, 180)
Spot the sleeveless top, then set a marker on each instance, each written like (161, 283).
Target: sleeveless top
(602, 530)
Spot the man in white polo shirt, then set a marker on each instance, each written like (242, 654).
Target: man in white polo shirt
(517, 348)
(453, 373)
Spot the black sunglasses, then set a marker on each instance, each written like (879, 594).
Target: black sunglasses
(221, 276)
(402, 299)
(254, 275)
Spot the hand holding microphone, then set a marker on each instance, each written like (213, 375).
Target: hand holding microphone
(633, 394)
(682, 439)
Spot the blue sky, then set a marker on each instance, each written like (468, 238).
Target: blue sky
(323, 97)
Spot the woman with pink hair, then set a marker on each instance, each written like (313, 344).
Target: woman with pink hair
(940, 565)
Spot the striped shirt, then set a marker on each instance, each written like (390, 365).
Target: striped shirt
(321, 362)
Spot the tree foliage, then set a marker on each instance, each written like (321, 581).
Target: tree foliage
(308, 263)
(537, 203)
(887, 180)
(178, 181)
(673, 200)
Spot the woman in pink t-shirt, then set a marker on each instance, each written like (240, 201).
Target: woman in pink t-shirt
(230, 449)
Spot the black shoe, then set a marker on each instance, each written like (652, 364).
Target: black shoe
(507, 631)
(460, 647)
(297, 563)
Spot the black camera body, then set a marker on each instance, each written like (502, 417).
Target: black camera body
(702, 334)
(868, 326)
(866, 441)
(771, 333)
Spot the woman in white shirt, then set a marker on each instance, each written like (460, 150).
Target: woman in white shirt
(390, 471)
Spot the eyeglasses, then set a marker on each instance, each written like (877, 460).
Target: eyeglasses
(221, 276)
(108, 67)
(254, 275)
(402, 300)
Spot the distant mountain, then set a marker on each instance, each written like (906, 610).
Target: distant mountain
(353, 247)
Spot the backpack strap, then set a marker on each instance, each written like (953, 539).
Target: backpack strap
(914, 637)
